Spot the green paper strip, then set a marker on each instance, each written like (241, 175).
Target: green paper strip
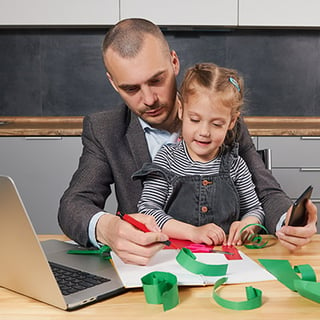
(255, 239)
(104, 252)
(161, 288)
(188, 260)
(309, 290)
(254, 298)
(283, 271)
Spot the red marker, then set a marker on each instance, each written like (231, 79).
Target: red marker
(139, 225)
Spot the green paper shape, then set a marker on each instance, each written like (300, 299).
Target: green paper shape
(161, 288)
(306, 271)
(309, 290)
(104, 252)
(188, 260)
(254, 298)
(255, 239)
(282, 270)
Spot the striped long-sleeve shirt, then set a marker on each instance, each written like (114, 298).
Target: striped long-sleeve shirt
(175, 158)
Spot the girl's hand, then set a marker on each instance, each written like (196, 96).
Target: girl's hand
(210, 234)
(235, 238)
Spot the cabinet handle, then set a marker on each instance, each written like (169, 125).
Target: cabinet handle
(309, 169)
(310, 138)
(315, 200)
(43, 138)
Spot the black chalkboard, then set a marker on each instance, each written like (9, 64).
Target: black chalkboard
(59, 72)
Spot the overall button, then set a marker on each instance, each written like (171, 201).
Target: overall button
(206, 182)
(204, 209)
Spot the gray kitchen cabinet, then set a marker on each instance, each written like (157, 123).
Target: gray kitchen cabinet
(202, 13)
(58, 12)
(295, 164)
(42, 168)
(108, 12)
(279, 13)
(183, 13)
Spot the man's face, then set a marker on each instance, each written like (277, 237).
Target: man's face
(147, 82)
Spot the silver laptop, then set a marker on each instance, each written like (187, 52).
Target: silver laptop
(27, 265)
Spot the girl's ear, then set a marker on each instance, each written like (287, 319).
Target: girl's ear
(180, 108)
(233, 120)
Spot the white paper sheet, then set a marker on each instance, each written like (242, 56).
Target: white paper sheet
(239, 271)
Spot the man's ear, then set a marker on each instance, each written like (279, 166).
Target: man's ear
(111, 81)
(175, 62)
(233, 120)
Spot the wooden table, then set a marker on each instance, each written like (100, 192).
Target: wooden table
(195, 302)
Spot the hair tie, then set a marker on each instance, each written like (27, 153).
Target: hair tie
(235, 83)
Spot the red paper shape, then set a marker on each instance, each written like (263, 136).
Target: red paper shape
(194, 247)
(234, 250)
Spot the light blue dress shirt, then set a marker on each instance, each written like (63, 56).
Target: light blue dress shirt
(155, 139)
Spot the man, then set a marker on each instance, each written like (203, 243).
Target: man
(116, 143)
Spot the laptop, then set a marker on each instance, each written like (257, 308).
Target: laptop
(28, 265)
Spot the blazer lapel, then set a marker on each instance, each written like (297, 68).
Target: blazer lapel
(137, 142)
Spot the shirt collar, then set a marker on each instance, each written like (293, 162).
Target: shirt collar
(173, 137)
(147, 128)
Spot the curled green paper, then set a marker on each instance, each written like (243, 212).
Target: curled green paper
(188, 260)
(161, 288)
(306, 271)
(254, 298)
(283, 271)
(255, 239)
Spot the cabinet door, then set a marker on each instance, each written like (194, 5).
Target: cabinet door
(295, 181)
(59, 12)
(293, 152)
(42, 169)
(279, 13)
(181, 12)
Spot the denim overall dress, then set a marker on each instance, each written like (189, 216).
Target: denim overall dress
(201, 199)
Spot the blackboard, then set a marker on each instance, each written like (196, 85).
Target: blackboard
(59, 72)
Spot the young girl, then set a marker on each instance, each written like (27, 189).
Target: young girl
(200, 189)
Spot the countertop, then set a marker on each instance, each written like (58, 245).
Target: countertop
(278, 301)
(72, 126)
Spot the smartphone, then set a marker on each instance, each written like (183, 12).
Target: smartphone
(298, 217)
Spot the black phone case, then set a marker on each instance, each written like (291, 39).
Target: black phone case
(298, 217)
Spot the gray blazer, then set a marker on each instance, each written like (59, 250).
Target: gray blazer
(114, 147)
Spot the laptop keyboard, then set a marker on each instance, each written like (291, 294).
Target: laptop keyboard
(72, 280)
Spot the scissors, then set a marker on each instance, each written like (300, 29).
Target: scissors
(202, 248)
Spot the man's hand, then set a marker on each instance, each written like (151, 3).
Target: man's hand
(294, 238)
(130, 244)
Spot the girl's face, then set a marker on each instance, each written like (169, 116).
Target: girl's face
(205, 122)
